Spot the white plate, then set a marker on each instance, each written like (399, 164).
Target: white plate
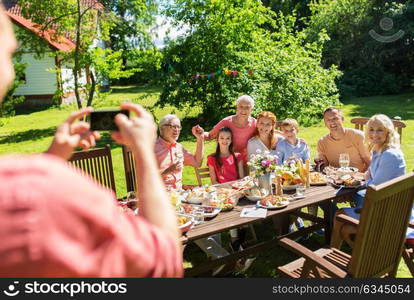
(213, 213)
(296, 197)
(254, 198)
(195, 200)
(283, 205)
(188, 225)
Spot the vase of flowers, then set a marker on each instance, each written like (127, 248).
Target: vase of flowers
(262, 165)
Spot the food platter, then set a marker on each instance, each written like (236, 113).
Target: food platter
(318, 179)
(193, 200)
(245, 183)
(227, 204)
(254, 194)
(347, 186)
(185, 223)
(273, 202)
(346, 182)
(209, 211)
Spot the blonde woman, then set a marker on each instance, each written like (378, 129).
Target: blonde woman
(387, 163)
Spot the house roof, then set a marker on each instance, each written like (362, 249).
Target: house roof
(14, 11)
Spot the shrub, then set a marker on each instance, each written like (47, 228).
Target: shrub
(286, 77)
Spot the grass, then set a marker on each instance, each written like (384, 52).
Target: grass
(31, 131)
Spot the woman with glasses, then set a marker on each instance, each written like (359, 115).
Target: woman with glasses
(172, 156)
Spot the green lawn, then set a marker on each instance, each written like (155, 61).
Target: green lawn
(31, 131)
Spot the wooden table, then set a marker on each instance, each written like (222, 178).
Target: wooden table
(321, 196)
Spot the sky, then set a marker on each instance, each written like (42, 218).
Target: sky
(164, 29)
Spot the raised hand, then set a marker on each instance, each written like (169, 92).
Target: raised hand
(140, 132)
(70, 135)
(197, 131)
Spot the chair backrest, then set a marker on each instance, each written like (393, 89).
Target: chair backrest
(201, 173)
(97, 163)
(129, 168)
(383, 224)
(360, 123)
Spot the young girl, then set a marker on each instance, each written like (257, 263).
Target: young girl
(225, 165)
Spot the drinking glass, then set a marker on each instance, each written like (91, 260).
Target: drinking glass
(198, 213)
(300, 190)
(344, 160)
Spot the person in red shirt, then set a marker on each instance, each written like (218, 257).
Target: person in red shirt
(54, 222)
(225, 165)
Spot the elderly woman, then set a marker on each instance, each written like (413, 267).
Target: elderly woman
(387, 163)
(172, 156)
(242, 124)
(266, 136)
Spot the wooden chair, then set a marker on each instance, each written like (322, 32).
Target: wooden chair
(379, 240)
(97, 163)
(129, 168)
(200, 174)
(360, 122)
(408, 253)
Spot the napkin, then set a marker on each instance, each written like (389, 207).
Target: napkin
(253, 212)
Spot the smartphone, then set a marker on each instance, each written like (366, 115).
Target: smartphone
(104, 119)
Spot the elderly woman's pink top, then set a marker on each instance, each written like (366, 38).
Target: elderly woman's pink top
(241, 135)
(168, 154)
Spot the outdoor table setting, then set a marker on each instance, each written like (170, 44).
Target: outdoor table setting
(210, 209)
(206, 210)
(247, 212)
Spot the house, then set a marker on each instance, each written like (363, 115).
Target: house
(41, 80)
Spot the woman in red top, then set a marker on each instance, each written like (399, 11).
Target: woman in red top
(225, 165)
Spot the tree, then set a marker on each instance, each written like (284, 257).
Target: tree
(228, 51)
(372, 65)
(133, 19)
(288, 7)
(85, 22)
(10, 101)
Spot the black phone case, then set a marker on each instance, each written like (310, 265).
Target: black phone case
(104, 119)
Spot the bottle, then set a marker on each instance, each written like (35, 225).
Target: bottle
(279, 190)
(307, 173)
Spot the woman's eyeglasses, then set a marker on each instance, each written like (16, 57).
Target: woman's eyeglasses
(178, 127)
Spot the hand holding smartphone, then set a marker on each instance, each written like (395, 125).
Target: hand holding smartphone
(102, 120)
